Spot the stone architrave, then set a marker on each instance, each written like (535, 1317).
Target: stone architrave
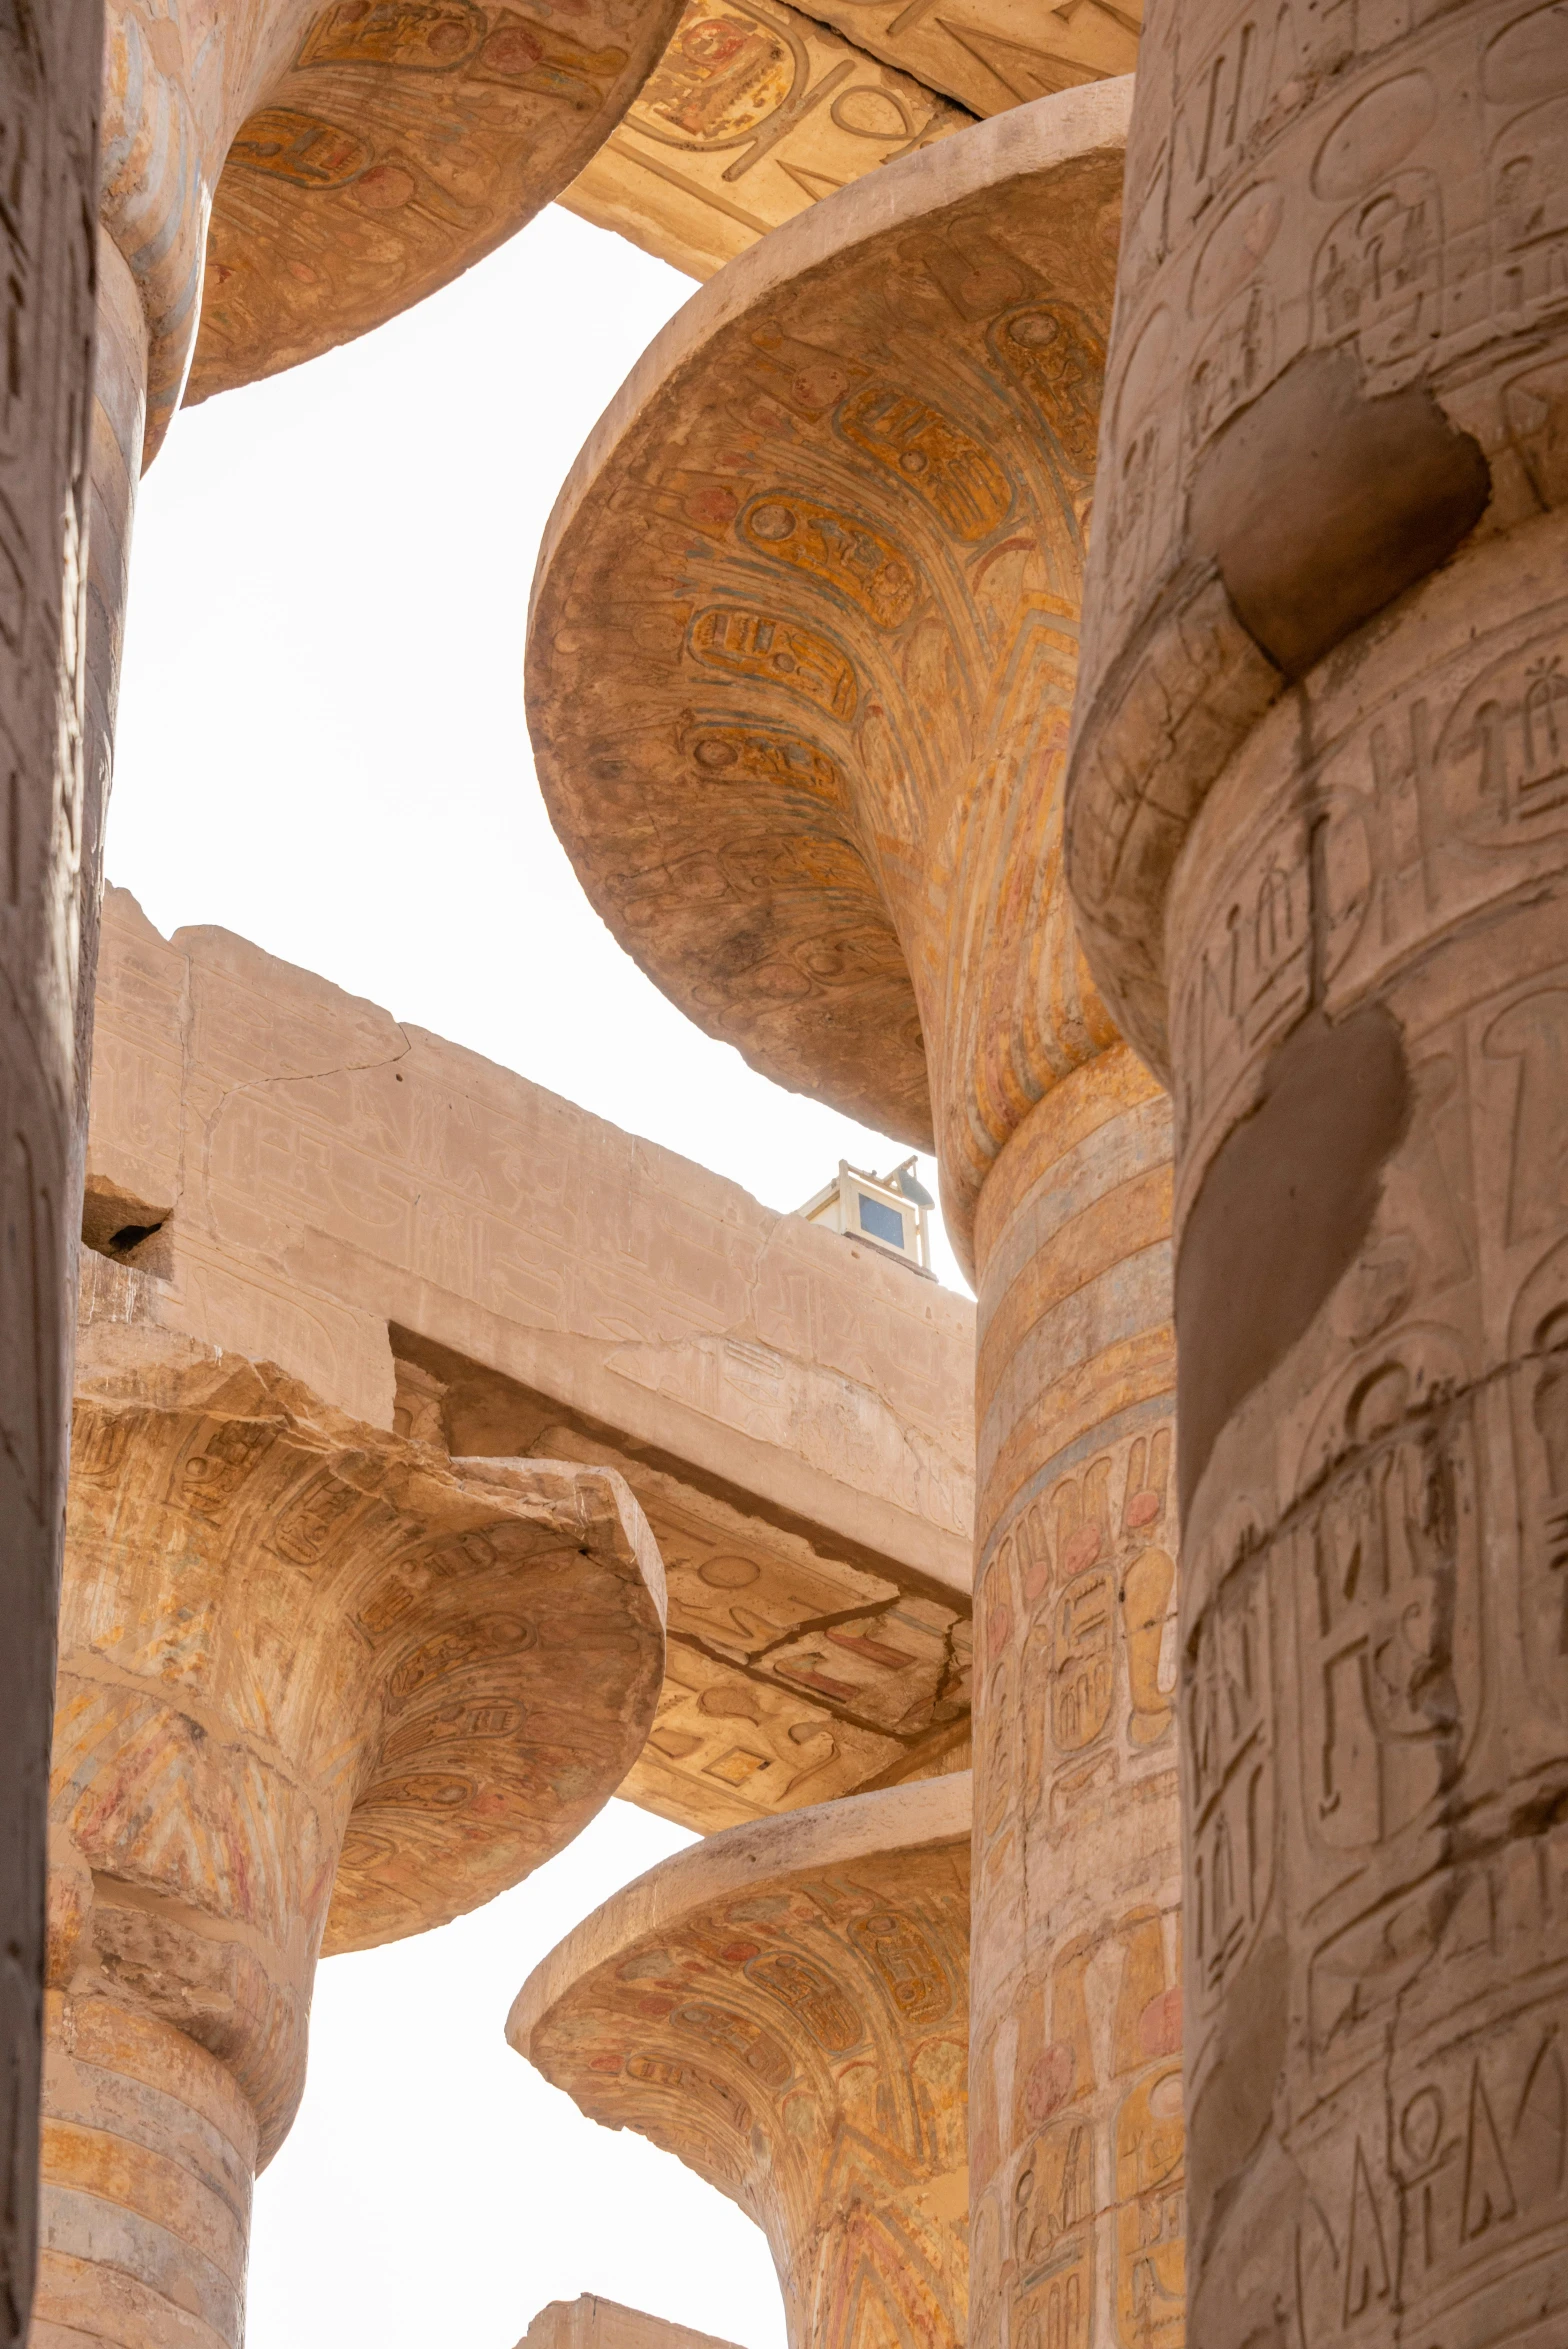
(50, 63)
(1318, 838)
(591, 2323)
(758, 111)
(802, 656)
(320, 1687)
(750, 118)
(786, 2008)
(994, 54)
(434, 1244)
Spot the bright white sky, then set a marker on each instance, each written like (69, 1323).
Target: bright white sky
(322, 746)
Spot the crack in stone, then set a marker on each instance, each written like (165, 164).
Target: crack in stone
(909, 1738)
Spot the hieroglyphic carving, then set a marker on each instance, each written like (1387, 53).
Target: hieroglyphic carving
(1085, 2152)
(862, 543)
(1375, 1543)
(317, 1687)
(1298, 205)
(755, 112)
(50, 62)
(281, 177)
(1076, 2159)
(994, 54)
(795, 2027)
(399, 144)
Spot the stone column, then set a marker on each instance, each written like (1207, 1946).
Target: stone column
(1076, 2149)
(50, 64)
(320, 1688)
(1319, 845)
(785, 2006)
(801, 664)
(119, 420)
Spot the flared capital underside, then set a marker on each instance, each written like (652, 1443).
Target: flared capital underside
(352, 157)
(804, 634)
(316, 1679)
(786, 2008)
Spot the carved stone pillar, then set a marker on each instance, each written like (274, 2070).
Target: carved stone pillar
(1318, 832)
(1076, 2151)
(50, 64)
(786, 2008)
(320, 1688)
(801, 663)
(119, 419)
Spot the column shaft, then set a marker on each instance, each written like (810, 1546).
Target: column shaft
(149, 2150)
(1373, 1304)
(50, 67)
(1318, 841)
(1076, 2146)
(119, 416)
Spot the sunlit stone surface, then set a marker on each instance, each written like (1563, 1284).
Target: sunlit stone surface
(786, 2008)
(801, 666)
(1318, 846)
(432, 1243)
(319, 1687)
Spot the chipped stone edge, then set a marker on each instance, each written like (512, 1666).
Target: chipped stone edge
(926, 1815)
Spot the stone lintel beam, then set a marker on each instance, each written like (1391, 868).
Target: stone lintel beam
(992, 55)
(429, 1241)
(320, 1687)
(785, 2007)
(751, 119)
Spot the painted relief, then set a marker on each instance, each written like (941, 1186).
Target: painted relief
(887, 464)
(829, 2004)
(754, 113)
(994, 54)
(404, 139)
(873, 509)
(317, 1688)
(1089, 2143)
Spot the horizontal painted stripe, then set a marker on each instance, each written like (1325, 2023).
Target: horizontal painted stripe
(1134, 1217)
(149, 2118)
(161, 2056)
(1077, 1405)
(77, 2300)
(154, 2184)
(1124, 1147)
(107, 2235)
(1124, 1302)
(1088, 1097)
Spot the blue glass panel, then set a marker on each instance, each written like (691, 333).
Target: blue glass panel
(883, 1223)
